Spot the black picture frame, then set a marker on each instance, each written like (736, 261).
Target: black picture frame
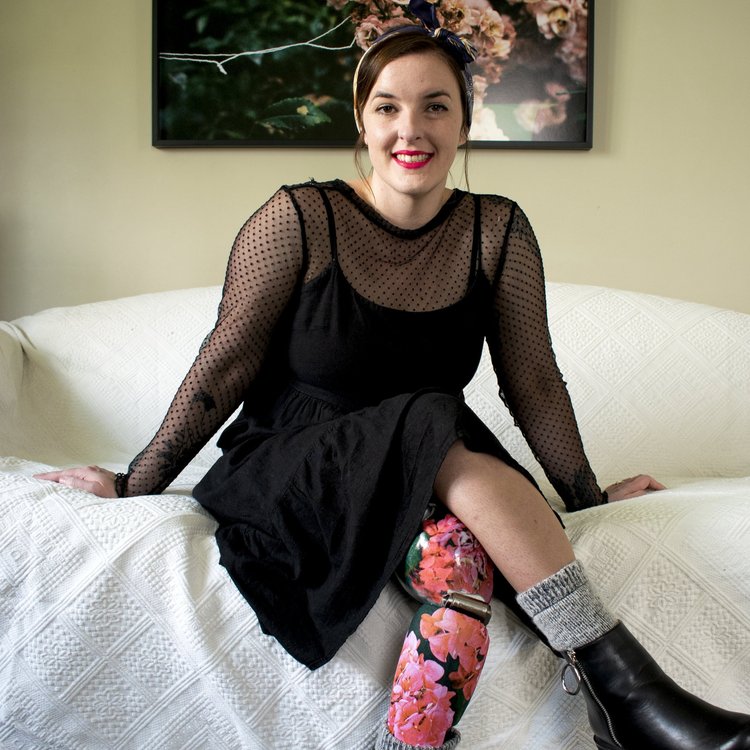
(288, 83)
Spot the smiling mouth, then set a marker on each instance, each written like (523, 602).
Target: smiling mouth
(412, 160)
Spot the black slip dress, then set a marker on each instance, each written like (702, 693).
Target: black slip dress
(320, 492)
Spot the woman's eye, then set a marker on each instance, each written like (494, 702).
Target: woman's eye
(437, 108)
(386, 109)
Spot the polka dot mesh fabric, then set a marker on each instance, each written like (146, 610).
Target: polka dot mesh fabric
(287, 243)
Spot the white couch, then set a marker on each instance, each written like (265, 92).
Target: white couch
(119, 629)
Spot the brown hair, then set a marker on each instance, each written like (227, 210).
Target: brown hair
(373, 63)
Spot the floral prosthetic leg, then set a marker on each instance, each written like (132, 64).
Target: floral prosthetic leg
(446, 644)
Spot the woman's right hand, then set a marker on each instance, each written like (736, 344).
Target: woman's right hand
(94, 479)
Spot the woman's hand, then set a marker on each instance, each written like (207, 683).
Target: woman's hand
(94, 479)
(632, 487)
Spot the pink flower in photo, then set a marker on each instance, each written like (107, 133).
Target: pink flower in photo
(453, 15)
(580, 7)
(491, 69)
(371, 27)
(558, 18)
(535, 115)
(573, 52)
(434, 573)
(557, 92)
(476, 7)
(496, 35)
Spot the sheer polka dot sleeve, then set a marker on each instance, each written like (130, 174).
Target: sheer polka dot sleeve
(530, 381)
(263, 270)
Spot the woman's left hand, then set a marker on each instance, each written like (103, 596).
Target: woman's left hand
(632, 487)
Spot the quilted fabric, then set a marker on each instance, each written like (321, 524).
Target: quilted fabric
(92, 382)
(120, 630)
(658, 385)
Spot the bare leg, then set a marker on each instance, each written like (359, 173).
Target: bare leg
(507, 514)
(631, 702)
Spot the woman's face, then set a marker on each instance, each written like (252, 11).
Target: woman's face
(412, 123)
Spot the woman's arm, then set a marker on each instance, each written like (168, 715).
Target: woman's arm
(264, 269)
(529, 379)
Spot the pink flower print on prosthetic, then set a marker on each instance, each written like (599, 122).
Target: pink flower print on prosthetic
(420, 712)
(450, 560)
(437, 673)
(454, 634)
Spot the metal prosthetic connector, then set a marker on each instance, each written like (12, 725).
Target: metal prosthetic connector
(468, 605)
(447, 566)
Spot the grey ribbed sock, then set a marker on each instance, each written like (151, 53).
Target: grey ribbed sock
(566, 609)
(386, 741)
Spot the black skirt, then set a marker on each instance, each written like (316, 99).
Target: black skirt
(317, 505)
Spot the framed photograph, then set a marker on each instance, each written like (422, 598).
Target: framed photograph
(248, 73)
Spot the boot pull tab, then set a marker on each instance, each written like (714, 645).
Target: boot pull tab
(571, 676)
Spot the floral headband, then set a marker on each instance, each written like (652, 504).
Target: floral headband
(457, 47)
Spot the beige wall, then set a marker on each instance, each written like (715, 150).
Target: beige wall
(89, 210)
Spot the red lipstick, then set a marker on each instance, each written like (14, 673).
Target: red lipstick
(412, 159)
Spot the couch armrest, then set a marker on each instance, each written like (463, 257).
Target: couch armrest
(95, 380)
(11, 370)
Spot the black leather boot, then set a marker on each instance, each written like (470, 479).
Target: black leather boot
(632, 704)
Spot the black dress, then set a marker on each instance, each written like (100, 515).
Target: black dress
(350, 341)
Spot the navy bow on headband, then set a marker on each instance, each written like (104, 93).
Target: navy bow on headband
(461, 49)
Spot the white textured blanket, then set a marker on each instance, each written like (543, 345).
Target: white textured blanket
(120, 630)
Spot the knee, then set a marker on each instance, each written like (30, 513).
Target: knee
(465, 472)
(447, 566)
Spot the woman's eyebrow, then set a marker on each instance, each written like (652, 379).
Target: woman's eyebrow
(436, 94)
(430, 95)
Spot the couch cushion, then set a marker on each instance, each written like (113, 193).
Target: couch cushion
(658, 385)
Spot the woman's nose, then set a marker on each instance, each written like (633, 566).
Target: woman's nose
(408, 127)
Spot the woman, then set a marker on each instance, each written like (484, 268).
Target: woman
(352, 317)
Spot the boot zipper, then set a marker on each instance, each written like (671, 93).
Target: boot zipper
(580, 676)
